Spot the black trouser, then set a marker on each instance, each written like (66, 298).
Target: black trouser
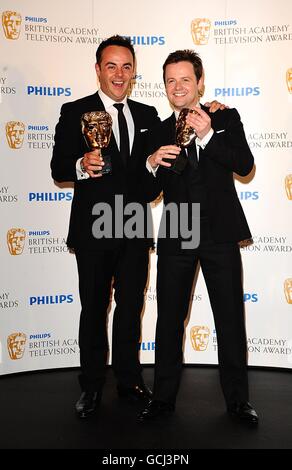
(221, 266)
(129, 268)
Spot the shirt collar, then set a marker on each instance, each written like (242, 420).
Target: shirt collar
(107, 101)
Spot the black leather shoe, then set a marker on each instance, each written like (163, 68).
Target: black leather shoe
(245, 412)
(87, 403)
(155, 409)
(135, 393)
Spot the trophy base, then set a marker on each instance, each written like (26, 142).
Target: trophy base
(107, 167)
(178, 165)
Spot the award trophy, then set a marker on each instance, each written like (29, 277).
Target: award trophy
(184, 137)
(96, 128)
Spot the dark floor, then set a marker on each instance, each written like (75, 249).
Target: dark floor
(37, 412)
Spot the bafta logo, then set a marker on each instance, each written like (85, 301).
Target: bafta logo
(200, 28)
(289, 79)
(288, 186)
(288, 290)
(96, 127)
(200, 337)
(16, 240)
(16, 345)
(11, 22)
(15, 134)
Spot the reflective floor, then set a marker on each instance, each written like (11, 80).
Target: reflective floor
(37, 412)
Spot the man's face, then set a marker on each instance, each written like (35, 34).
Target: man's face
(181, 85)
(115, 71)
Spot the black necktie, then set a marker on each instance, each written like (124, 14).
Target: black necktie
(124, 135)
(192, 154)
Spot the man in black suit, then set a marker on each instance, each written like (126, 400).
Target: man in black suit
(219, 150)
(101, 259)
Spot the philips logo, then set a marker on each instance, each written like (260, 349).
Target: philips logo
(50, 197)
(37, 128)
(247, 91)
(51, 299)
(34, 19)
(38, 233)
(250, 297)
(225, 23)
(147, 40)
(48, 91)
(40, 336)
(245, 195)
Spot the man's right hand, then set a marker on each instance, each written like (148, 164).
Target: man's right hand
(166, 151)
(92, 162)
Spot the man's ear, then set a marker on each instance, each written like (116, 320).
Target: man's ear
(134, 71)
(201, 85)
(97, 69)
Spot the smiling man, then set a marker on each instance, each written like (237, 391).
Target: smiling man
(219, 149)
(101, 259)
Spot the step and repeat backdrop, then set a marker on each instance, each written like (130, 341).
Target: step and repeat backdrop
(47, 58)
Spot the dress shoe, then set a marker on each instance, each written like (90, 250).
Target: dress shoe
(245, 412)
(155, 409)
(87, 403)
(135, 393)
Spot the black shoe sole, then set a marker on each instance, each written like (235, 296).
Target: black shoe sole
(88, 414)
(165, 415)
(242, 419)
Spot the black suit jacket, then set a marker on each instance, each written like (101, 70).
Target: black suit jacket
(70, 146)
(226, 152)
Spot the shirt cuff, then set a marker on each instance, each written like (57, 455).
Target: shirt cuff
(149, 167)
(81, 175)
(205, 140)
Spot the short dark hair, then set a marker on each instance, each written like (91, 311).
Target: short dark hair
(114, 41)
(186, 55)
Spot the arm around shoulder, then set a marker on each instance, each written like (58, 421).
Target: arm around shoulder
(228, 145)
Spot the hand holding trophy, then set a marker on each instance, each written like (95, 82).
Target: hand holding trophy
(96, 128)
(185, 135)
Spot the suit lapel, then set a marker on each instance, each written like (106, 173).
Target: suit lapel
(171, 126)
(95, 103)
(137, 127)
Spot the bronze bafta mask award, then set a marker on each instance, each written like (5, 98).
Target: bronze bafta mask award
(185, 135)
(96, 128)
